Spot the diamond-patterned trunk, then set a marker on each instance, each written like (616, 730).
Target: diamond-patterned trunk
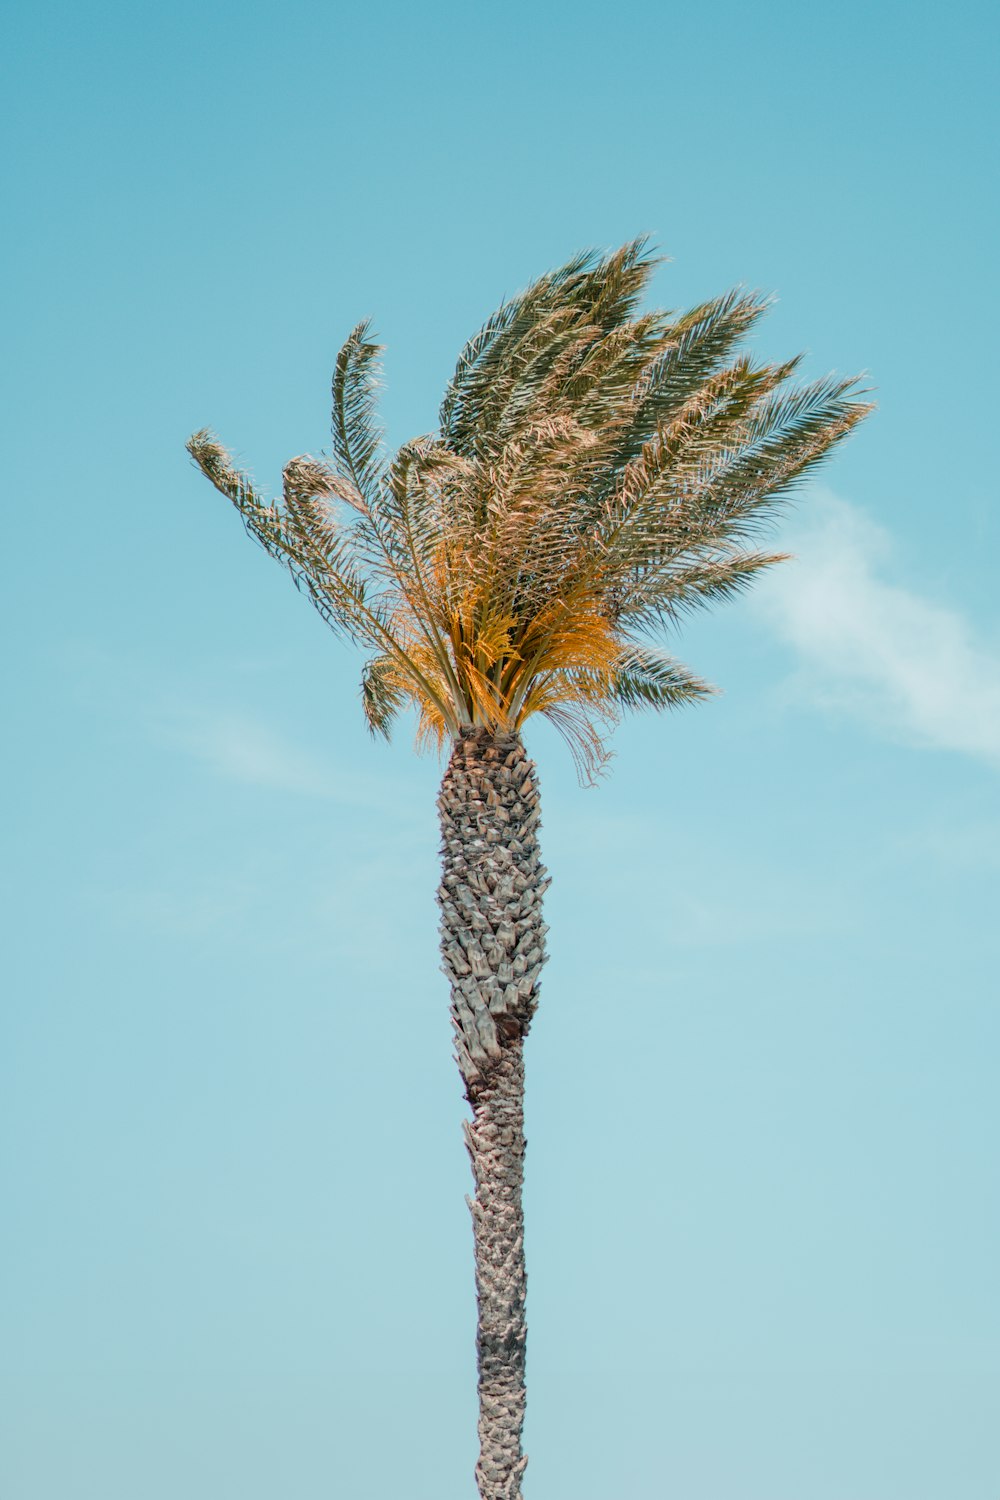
(493, 945)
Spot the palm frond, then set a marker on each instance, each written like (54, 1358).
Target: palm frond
(383, 693)
(583, 738)
(512, 357)
(482, 360)
(261, 519)
(647, 678)
(599, 472)
(321, 559)
(357, 438)
(659, 595)
(789, 434)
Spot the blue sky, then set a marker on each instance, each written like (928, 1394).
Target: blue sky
(763, 1217)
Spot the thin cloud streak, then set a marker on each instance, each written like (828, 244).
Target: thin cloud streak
(241, 748)
(909, 666)
(231, 742)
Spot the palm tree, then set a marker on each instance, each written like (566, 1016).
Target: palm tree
(597, 472)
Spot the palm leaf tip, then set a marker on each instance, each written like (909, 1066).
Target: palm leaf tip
(216, 463)
(205, 449)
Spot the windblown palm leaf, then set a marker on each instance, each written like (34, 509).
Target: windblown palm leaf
(597, 473)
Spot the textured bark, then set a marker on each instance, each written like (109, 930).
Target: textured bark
(493, 946)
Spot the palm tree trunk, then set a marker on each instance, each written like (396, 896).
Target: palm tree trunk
(493, 946)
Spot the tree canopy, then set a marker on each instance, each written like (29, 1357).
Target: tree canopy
(597, 472)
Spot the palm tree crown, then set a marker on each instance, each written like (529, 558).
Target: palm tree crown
(597, 472)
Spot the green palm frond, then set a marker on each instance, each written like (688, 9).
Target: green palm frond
(788, 435)
(323, 561)
(357, 437)
(382, 693)
(658, 596)
(262, 520)
(482, 361)
(598, 472)
(647, 678)
(506, 366)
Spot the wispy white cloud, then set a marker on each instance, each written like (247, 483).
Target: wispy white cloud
(695, 900)
(192, 717)
(192, 907)
(915, 668)
(958, 845)
(245, 749)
